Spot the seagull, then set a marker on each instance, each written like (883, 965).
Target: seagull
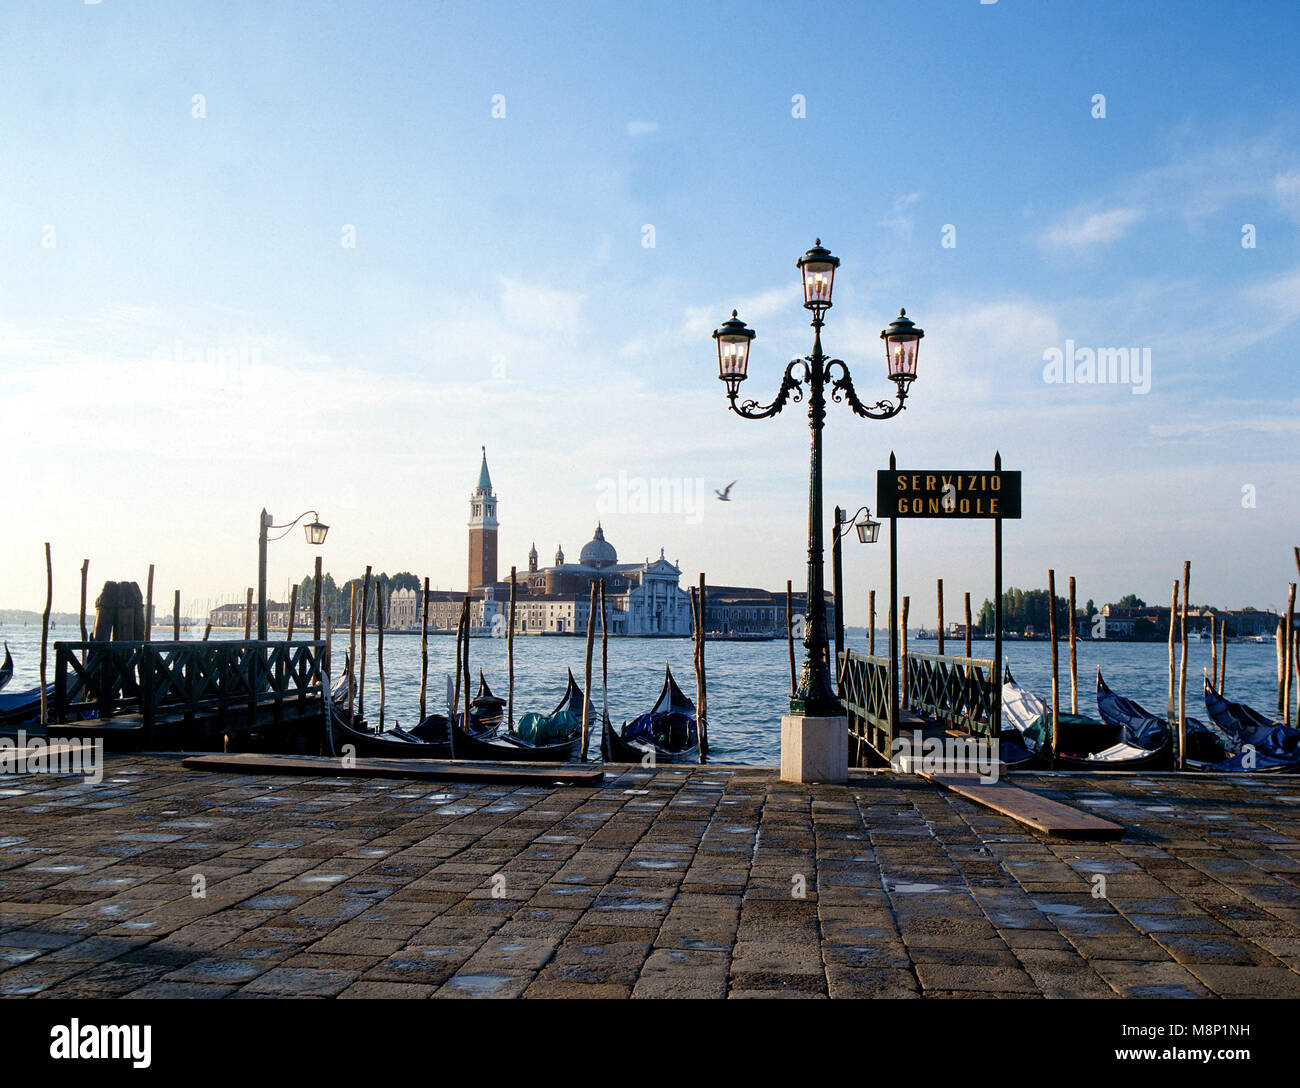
(725, 494)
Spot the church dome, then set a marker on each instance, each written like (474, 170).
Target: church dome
(598, 552)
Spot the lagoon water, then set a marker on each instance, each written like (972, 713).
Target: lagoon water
(748, 682)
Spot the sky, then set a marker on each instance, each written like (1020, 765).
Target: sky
(315, 255)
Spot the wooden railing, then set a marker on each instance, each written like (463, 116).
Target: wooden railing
(259, 682)
(956, 691)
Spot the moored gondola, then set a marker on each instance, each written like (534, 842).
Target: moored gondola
(669, 733)
(389, 744)
(7, 668)
(531, 739)
(1083, 743)
(1248, 727)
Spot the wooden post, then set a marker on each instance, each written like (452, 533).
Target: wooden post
(1182, 670)
(176, 617)
(996, 723)
(379, 625)
(837, 586)
(702, 684)
(1074, 665)
(871, 623)
(462, 632)
(1223, 654)
(464, 688)
(510, 655)
(1290, 654)
(1279, 645)
(1213, 672)
(207, 630)
(586, 671)
(329, 653)
(893, 618)
(45, 629)
(1056, 674)
(968, 625)
(85, 571)
(352, 650)
(315, 603)
(365, 618)
(604, 665)
(789, 631)
(148, 607)
(1173, 612)
(293, 613)
(939, 592)
(907, 601)
(248, 615)
(424, 649)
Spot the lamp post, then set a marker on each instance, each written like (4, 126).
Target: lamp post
(815, 696)
(868, 531)
(315, 536)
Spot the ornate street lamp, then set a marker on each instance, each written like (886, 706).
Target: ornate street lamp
(815, 695)
(315, 531)
(868, 530)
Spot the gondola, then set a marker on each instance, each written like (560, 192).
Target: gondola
(22, 708)
(486, 716)
(6, 669)
(668, 734)
(508, 744)
(389, 744)
(1247, 726)
(1083, 743)
(1209, 748)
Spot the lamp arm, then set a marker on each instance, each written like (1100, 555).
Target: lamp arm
(842, 390)
(791, 388)
(291, 524)
(847, 524)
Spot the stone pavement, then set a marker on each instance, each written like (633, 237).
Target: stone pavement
(681, 882)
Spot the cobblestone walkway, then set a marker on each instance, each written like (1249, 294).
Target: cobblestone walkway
(695, 882)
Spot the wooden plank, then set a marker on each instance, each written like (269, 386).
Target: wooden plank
(442, 770)
(1040, 813)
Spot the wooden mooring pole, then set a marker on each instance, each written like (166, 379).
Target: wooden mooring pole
(968, 625)
(365, 620)
(1223, 655)
(293, 613)
(1182, 669)
(1173, 614)
(902, 630)
(176, 617)
(248, 614)
(464, 688)
(1056, 672)
(315, 603)
(148, 607)
(871, 623)
(424, 649)
(1290, 654)
(1213, 674)
(1279, 645)
(789, 630)
(939, 593)
(604, 669)
(45, 629)
(586, 673)
(379, 627)
(1074, 664)
(85, 573)
(702, 684)
(510, 655)
(352, 651)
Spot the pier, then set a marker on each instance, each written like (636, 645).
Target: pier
(678, 882)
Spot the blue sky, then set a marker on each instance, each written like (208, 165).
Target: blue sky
(198, 341)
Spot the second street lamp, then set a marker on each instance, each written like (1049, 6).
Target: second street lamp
(815, 693)
(867, 532)
(315, 535)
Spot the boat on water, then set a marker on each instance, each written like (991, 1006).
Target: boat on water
(1083, 743)
(1248, 727)
(669, 733)
(1209, 748)
(554, 737)
(7, 668)
(395, 743)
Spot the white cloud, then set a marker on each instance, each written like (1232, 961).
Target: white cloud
(898, 220)
(1081, 228)
(642, 128)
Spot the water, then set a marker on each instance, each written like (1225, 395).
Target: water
(749, 682)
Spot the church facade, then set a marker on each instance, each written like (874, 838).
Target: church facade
(642, 598)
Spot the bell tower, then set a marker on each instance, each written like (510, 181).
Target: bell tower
(482, 531)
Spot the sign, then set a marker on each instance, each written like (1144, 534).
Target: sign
(947, 493)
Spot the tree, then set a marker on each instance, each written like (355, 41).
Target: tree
(1130, 600)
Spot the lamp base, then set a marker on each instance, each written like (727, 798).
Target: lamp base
(814, 749)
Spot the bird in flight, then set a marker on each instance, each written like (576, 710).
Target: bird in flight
(725, 494)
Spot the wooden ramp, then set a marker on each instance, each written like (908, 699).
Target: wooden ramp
(441, 770)
(1040, 813)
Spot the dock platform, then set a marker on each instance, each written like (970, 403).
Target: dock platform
(717, 881)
